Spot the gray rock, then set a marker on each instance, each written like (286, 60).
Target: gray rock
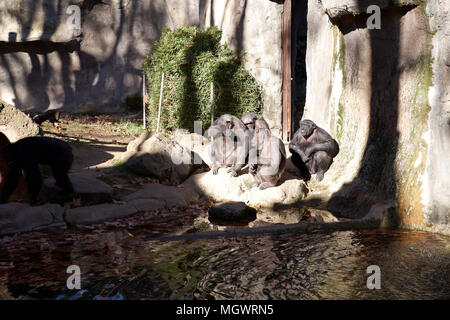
(19, 217)
(147, 204)
(339, 8)
(197, 144)
(290, 190)
(157, 156)
(98, 213)
(15, 124)
(171, 196)
(222, 187)
(87, 188)
(231, 211)
(135, 145)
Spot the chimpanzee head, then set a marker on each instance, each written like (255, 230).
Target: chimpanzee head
(227, 121)
(307, 128)
(262, 131)
(249, 120)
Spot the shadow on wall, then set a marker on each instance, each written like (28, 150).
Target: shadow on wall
(376, 179)
(98, 70)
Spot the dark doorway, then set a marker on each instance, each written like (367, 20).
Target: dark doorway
(294, 34)
(298, 60)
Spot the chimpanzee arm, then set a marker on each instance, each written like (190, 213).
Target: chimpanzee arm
(324, 142)
(299, 145)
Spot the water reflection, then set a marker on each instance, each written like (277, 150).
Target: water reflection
(414, 265)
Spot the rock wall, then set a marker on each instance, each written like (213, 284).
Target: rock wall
(47, 63)
(383, 94)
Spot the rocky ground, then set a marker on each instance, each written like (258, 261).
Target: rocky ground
(120, 170)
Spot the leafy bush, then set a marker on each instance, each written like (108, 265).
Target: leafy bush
(191, 60)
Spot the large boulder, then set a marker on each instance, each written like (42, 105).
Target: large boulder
(231, 211)
(98, 213)
(19, 217)
(290, 190)
(170, 196)
(222, 187)
(15, 124)
(87, 188)
(158, 156)
(197, 144)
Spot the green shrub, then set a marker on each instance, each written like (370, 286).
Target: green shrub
(191, 60)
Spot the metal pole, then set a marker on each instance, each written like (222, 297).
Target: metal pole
(211, 101)
(144, 95)
(160, 101)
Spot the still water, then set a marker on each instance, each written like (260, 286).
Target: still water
(122, 265)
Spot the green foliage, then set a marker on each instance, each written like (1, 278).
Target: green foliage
(130, 127)
(191, 60)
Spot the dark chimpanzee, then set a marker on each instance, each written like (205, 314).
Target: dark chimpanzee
(26, 154)
(270, 159)
(230, 146)
(313, 150)
(50, 115)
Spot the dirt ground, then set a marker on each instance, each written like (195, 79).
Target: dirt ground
(97, 142)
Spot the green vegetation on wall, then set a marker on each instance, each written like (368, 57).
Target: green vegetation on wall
(191, 60)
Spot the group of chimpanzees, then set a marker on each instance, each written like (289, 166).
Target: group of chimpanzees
(236, 142)
(27, 154)
(249, 141)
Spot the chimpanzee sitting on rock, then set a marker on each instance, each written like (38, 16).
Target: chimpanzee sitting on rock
(313, 150)
(27, 154)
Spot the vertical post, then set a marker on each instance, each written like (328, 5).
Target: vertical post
(160, 101)
(287, 76)
(144, 97)
(211, 101)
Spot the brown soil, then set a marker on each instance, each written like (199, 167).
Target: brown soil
(97, 143)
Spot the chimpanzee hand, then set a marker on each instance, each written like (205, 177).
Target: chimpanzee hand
(233, 172)
(252, 169)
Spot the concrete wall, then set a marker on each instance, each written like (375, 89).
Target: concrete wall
(46, 64)
(383, 94)
(100, 67)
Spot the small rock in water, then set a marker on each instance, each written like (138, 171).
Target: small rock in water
(231, 211)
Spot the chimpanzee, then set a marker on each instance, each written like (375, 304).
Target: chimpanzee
(270, 157)
(249, 120)
(26, 154)
(50, 115)
(230, 146)
(313, 150)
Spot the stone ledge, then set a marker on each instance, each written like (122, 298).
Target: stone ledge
(98, 213)
(339, 8)
(18, 217)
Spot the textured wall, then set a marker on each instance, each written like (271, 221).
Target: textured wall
(97, 69)
(45, 64)
(383, 95)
